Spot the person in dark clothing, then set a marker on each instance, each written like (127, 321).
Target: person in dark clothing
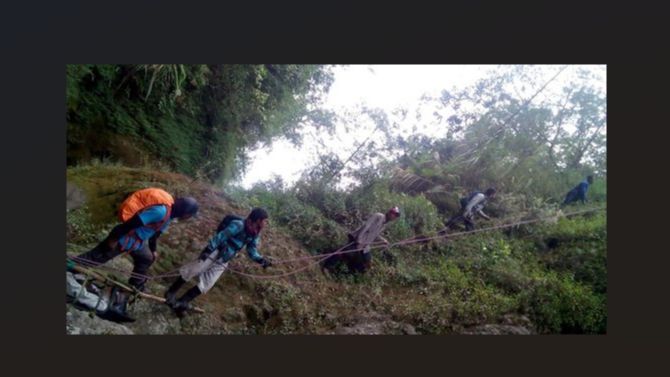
(578, 192)
(471, 206)
(92, 298)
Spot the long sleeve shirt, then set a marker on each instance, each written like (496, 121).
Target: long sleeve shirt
(582, 189)
(150, 219)
(475, 205)
(232, 239)
(577, 193)
(370, 231)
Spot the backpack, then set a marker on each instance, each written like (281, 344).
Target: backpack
(226, 221)
(142, 199)
(224, 224)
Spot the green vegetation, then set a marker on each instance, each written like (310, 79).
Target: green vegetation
(186, 129)
(195, 119)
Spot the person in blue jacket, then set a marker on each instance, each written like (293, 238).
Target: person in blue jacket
(230, 238)
(578, 192)
(138, 237)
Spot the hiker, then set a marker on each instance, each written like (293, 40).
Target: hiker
(233, 233)
(146, 215)
(361, 238)
(578, 192)
(471, 205)
(105, 305)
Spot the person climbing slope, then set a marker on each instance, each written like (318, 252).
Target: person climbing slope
(232, 234)
(145, 215)
(361, 260)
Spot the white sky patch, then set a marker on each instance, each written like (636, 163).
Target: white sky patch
(387, 87)
(391, 86)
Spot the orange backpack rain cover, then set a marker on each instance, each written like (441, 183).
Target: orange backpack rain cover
(141, 199)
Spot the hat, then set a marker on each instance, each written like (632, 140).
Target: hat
(185, 206)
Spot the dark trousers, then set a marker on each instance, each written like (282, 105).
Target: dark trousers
(469, 223)
(571, 197)
(143, 258)
(359, 261)
(356, 261)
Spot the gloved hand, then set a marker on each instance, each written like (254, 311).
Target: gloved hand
(265, 263)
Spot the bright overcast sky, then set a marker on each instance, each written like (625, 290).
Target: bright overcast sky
(382, 86)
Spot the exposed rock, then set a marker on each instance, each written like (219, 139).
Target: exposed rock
(153, 318)
(75, 196)
(515, 319)
(495, 329)
(369, 328)
(408, 329)
(329, 317)
(233, 314)
(375, 324)
(80, 322)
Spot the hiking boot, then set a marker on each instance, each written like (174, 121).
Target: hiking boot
(116, 314)
(170, 299)
(184, 302)
(171, 294)
(181, 307)
(117, 309)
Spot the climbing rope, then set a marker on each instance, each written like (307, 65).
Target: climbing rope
(321, 257)
(90, 263)
(409, 241)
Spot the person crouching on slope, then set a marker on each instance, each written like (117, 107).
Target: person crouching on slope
(471, 206)
(146, 215)
(578, 192)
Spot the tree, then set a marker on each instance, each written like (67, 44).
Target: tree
(197, 119)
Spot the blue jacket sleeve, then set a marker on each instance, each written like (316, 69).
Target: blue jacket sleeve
(252, 250)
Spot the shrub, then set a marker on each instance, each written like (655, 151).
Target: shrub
(558, 304)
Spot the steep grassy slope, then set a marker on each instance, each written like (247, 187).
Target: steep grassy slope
(548, 278)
